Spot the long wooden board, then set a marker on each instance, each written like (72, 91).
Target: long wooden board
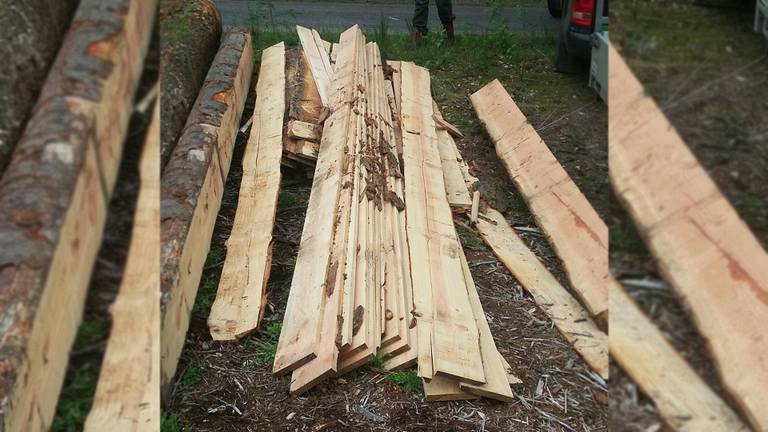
(574, 229)
(319, 62)
(191, 188)
(571, 319)
(682, 398)
(702, 247)
(53, 201)
(128, 392)
(241, 295)
(301, 329)
(448, 335)
(458, 194)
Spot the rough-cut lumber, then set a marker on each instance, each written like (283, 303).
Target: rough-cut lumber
(191, 189)
(54, 197)
(334, 53)
(574, 229)
(319, 62)
(448, 334)
(445, 389)
(31, 32)
(304, 131)
(571, 319)
(442, 124)
(458, 195)
(682, 398)
(496, 375)
(301, 330)
(190, 31)
(128, 393)
(242, 291)
(702, 247)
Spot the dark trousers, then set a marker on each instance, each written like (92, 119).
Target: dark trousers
(421, 14)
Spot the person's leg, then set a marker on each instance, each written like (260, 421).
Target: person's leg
(421, 17)
(445, 12)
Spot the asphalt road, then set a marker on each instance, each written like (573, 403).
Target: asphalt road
(339, 16)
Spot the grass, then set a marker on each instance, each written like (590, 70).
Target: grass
(76, 399)
(89, 333)
(273, 329)
(170, 423)
(206, 294)
(623, 237)
(408, 380)
(469, 238)
(288, 199)
(377, 363)
(215, 256)
(193, 375)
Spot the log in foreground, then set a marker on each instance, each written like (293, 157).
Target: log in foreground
(128, 393)
(574, 229)
(191, 189)
(54, 197)
(31, 32)
(189, 33)
(683, 399)
(242, 291)
(702, 247)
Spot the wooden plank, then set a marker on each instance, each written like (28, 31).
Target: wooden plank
(445, 389)
(304, 131)
(574, 229)
(442, 124)
(319, 62)
(303, 315)
(440, 292)
(334, 53)
(53, 201)
(191, 188)
(702, 247)
(496, 375)
(241, 294)
(456, 189)
(682, 398)
(128, 392)
(571, 319)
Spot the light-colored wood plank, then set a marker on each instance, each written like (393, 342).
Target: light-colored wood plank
(681, 397)
(574, 229)
(334, 53)
(496, 374)
(569, 317)
(191, 189)
(303, 315)
(127, 396)
(241, 294)
(442, 124)
(304, 131)
(445, 389)
(456, 189)
(702, 247)
(442, 302)
(319, 62)
(53, 201)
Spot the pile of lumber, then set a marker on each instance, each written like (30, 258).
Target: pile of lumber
(708, 256)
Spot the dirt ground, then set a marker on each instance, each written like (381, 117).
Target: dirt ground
(709, 73)
(229, 386)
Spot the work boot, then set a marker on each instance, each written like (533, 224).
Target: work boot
(448, 28)
(416, 36)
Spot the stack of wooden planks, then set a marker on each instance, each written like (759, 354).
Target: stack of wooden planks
(707, 254)
(380, 270)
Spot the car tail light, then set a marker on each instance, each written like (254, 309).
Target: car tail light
(582, 12)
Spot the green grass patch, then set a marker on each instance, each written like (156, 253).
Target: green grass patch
(193, 375)
(469, 238)
(206, 294)
(273, 329)
(623, 237)
(76, 399)
(377, 363)
(288, 199)
(170, 423)
(215, 256)
(408, 380)
(90, 332)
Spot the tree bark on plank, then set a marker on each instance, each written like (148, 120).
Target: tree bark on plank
(190, 33)
(31, 32)
(191, 189)
(53, 200)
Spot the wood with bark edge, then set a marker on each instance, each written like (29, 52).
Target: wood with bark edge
(702, 248)
(458, 194)
(300, 332)
(319, 62)
(682, 398)
(191, 188)
(241, 295)
(569, 317)
(128, 392)
(53, 201)
(452, 330)
(575, 231)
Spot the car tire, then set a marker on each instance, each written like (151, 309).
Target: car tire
(565, 62)
(555, 8)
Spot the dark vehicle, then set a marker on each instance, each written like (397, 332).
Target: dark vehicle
(580, 21)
